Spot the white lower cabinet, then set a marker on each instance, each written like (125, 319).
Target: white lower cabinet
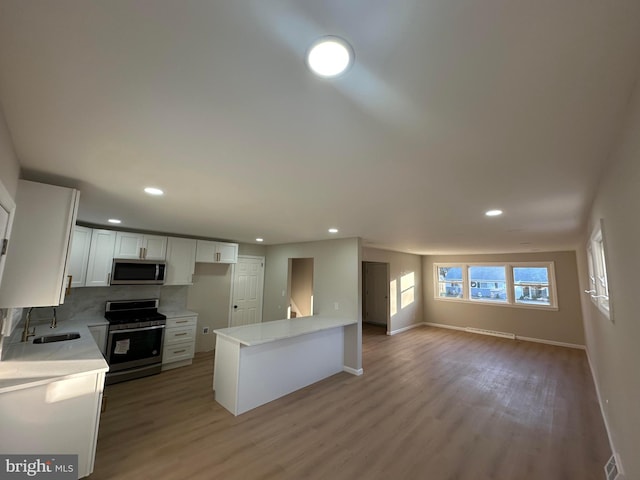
(179, 340)
(59, 417)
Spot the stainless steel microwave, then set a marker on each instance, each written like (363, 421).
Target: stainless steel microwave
(137, 272)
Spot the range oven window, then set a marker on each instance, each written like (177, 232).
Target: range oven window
(134, 347)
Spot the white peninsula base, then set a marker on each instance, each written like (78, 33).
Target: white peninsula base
(255, 364)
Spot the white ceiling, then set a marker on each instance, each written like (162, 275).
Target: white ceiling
(452, 107)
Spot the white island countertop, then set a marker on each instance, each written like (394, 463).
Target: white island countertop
(259, 333)
(26, 364)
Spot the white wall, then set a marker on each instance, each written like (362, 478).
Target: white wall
(613, 345)
(336, 279)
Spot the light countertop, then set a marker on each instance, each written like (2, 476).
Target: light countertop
(172, 313)
(258, 333)
(26, 364)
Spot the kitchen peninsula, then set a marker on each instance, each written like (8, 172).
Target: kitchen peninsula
(258, 363)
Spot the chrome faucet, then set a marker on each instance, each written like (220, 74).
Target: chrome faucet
(54, 322)
(25, 333)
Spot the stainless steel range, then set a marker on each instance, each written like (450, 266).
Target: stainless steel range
(134, 344)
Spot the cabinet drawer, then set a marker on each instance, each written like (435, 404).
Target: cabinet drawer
(177, 352)
(181, 322)
(179, 335)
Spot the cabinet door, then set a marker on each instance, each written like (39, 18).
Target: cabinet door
(155, 247)
(181, 261)
(7, 209)
(79, 256)
(227, 253)
(40, 240)
(205, 251)
(100, 258)
(128, 245)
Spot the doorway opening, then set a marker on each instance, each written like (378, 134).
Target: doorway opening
(300, 287)
(375, 294)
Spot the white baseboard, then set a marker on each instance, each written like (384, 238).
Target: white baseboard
(518, 337)
(353, 371)
(404, 329)
(604, 417)
(551, 342)
(442, 325)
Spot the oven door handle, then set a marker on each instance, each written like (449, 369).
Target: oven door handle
(124, 330)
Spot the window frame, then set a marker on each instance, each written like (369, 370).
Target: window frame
(510, 284)
(437, 278)
(598, 277)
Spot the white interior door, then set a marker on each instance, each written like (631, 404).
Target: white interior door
(376, 292)
(246, 300)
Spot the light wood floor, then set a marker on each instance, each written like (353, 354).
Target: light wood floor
(432, 404)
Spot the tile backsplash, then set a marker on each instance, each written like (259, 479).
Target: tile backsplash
(89, 302)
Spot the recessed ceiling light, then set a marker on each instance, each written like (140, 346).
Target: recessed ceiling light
(153, 191)
(333, 230)
(493, 213)
(114, 220)
(259, 239)
(329, 57)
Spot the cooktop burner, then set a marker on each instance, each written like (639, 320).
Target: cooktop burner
(133, 311)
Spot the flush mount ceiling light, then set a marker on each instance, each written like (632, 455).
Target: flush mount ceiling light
(153, 191)
(114, 220)
(493, 213)
(259, 239)
(329, 57)
(333, 230)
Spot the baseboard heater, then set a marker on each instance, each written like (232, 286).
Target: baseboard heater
(493, 333)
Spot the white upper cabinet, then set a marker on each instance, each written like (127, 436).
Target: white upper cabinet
(38, 253)
(7, 210)
(227, 252)
(216, 252)
(100, 260)
(140, 247)
(79, 257)
(181, 261)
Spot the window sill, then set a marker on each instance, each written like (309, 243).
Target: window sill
(499, 304)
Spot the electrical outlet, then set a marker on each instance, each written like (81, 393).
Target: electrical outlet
(205, 330)
(336, 306)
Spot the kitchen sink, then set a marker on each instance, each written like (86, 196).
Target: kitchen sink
(60, 337)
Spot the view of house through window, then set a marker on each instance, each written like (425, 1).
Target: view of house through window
(517, 284)
(488, 283)
(531, 285)
(450, 282)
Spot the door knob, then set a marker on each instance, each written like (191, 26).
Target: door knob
(235, 306)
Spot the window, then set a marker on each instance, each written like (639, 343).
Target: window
(487, 283)
(528, 284)
(597, 264)
(531, 285)
(449, 282)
